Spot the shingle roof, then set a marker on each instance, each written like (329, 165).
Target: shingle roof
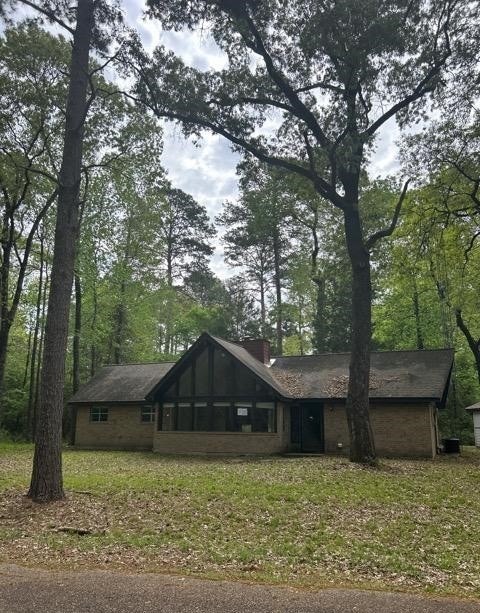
(393, 374)
(122, 383)
(473, 407)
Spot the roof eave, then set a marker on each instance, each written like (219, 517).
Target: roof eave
(126, 402)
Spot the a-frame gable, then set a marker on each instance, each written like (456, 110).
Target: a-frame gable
(216, 368)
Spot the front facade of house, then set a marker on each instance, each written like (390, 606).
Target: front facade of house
(224, 398)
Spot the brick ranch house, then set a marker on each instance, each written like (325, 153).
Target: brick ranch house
(223, 397)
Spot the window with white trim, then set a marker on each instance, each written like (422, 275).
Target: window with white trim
(98, 414)
(147, 414)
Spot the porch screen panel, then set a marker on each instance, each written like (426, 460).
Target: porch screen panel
(201, 374)
(171, 391)
(184, 417)
(223, 379)
(219, 417)
(245, 381)
(264, 417)
(203, 417)
(185, 383)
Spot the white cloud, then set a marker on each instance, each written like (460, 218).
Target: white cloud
(384, 160)
(207, 172)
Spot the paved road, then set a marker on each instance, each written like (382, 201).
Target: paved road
(36, 591)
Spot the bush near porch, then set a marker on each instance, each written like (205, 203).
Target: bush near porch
(409, 525)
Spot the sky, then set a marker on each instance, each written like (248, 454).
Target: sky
(208, 172)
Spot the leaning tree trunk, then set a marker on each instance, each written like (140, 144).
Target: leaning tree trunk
(362, 447)
(47, 480)
(473, 343)
(33, 358)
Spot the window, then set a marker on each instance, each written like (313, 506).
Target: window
(223, 374)
(242, 417)
(202, 417)
(221, 417)
(166, 415)
(147, 414)
(264, 417)
(98, 414)
(201, 373)
(184, 419)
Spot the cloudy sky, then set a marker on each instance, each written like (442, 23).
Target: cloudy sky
(208, 172)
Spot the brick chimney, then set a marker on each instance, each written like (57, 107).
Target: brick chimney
(258, 347)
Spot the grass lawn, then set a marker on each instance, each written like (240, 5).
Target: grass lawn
(312, 521)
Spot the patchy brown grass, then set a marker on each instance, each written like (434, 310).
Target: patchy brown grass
(408, 525)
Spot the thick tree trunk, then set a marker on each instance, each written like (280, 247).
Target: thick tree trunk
(362, 447)
(473, 343)
(4, 336)
(47, 480)
(7, 238)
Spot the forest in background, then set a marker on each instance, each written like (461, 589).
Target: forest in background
(143, 287)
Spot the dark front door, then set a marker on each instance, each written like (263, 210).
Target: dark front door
(312, 428)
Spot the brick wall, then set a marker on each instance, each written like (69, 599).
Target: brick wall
(226, 442)
(399, 430)
(123, 430)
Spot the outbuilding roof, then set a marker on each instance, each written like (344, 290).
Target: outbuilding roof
(473, 407)
(122, 383)
(393, 374)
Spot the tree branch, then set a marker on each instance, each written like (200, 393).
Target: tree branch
(472, 343)
(251, 100)
(320, 85)
(424, 86)
(49, 14)
(389, 231)
(299, 108)
(324, 188)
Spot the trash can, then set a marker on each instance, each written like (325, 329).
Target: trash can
(451, 445)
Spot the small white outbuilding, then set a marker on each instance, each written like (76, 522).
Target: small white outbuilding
(475, 408)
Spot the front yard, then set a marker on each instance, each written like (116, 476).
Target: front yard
(312, 522)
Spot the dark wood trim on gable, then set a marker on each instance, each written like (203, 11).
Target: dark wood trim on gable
(204, 341)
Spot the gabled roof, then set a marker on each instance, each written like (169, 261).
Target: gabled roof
(260, 370)
(394, 375)
(399, 375)
(473, 407)
(122, 383)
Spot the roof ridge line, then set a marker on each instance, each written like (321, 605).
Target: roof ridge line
(316, 355)
(141, 363)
